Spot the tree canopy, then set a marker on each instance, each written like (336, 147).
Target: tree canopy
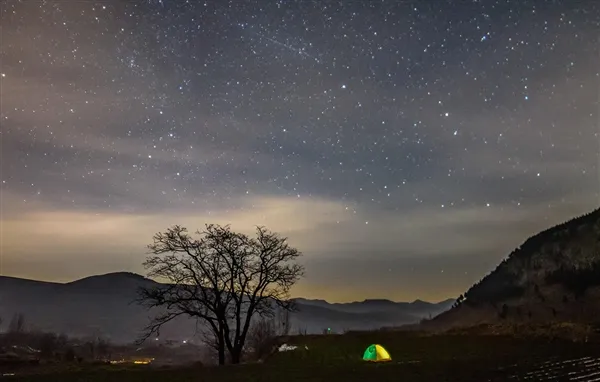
(222, 278)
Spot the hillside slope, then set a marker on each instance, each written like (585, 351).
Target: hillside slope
(553, 276)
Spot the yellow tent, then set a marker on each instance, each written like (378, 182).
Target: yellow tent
(376, 353)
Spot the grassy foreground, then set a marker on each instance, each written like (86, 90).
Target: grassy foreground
(459, 357)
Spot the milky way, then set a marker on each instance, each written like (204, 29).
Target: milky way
(408, 146)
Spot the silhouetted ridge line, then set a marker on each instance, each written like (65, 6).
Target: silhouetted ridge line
(540, 280)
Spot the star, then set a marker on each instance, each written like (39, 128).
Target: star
(123, 117)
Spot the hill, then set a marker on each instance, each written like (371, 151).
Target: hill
(417, 307)
(552, 276)
(102, 306)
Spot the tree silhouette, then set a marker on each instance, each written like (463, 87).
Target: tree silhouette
(264, 333)
(17, 323)
(504, 313)
(223, 279)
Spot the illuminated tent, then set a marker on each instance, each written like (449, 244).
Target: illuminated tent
(376, 353)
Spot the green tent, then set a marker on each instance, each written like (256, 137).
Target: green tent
(376, 353)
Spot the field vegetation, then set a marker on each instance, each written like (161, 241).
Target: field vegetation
(485, 354)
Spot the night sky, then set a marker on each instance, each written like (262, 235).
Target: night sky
(405, 147)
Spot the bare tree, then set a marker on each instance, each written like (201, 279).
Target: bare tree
(103, 348)
(222, 279)
(264, 333)
(213, 346)
(69, 355)
(261, 337)
(46, 344)
(17, 323)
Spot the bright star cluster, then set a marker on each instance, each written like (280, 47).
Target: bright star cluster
(413, 143)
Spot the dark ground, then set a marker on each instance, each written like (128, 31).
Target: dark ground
(465, 358)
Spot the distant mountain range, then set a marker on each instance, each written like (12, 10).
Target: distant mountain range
(553, 276)
(102, 306)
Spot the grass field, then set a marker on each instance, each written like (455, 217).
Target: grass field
(467, 358)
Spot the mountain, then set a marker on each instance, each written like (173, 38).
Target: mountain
(102, 306)
(553, 276)
(99, 305)
(367, 314)
(416, 308)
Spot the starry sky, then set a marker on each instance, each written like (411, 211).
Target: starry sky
(405, 147)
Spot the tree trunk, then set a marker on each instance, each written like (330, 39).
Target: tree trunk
(221, 353)
(236, 356)
(221, 345)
